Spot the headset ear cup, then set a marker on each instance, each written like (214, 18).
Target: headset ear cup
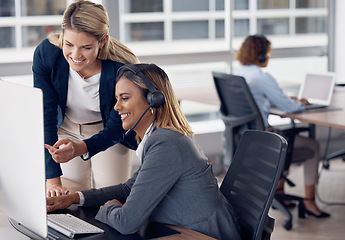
(155, 99)
(262, 58)
(149, 98)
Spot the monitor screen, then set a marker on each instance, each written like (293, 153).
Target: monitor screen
(22, 164)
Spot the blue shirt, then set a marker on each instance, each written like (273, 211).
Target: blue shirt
(267, 92)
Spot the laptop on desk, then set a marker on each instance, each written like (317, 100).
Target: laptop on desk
(317, 88)
(22, 169)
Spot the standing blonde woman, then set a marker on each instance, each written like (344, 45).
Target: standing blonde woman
(76, 71)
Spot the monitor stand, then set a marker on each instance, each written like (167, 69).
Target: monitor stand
(22, 229)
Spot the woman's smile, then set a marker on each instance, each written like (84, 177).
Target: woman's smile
(124, 116)
(76, 61)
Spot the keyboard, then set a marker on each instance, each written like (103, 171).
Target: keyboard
(70, 225)
(314, 106)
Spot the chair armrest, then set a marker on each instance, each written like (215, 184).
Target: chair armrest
(237, 121)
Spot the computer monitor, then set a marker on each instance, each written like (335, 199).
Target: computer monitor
(22, 164)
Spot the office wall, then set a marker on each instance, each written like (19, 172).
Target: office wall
(339, 48)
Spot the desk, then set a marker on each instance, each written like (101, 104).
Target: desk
(110, 233)
(333, 118)
(328, 118)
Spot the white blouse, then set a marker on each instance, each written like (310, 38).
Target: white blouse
(83, 104)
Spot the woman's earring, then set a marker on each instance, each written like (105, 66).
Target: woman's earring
(151, 110)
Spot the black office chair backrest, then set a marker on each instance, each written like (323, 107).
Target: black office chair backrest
(237, 100)
(238, 110)
(251, 180)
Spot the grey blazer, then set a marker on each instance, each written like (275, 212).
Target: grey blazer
(174, 185)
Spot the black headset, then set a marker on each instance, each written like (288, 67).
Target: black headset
(155, 98)
(262, 56)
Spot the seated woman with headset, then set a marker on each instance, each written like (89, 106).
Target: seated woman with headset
(254, 54)
(174, 184)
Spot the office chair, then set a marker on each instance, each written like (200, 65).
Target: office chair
(239, 112)
(251, 180)
(340, 153)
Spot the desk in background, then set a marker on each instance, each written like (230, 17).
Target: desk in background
(332, 118)
(328, 118)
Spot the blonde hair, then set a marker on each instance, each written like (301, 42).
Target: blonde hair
(169, 115)
(92, 18)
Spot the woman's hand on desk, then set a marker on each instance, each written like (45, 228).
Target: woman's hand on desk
(55, 188)
(114, 201)
(302, 100)
(62, 202)
(65, 150)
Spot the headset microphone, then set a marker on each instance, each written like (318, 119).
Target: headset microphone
(131, 129)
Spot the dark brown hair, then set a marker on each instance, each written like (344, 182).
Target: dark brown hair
(251, 49)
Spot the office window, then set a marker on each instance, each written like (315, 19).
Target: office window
(272, 4)
(148, 31)
(142, 6)
(42, 7)
(241, 27)
(25, 23)
(33, 35)
(190, 5)
(176, 24)
(241, 4)
(311, 25)
(283, 18)
(190, 30)
(170, 22)
(7, 8)
(220, 28)
(273, 26)
(279, 17)
(7, 37)
(220, 5)
(310, 3)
